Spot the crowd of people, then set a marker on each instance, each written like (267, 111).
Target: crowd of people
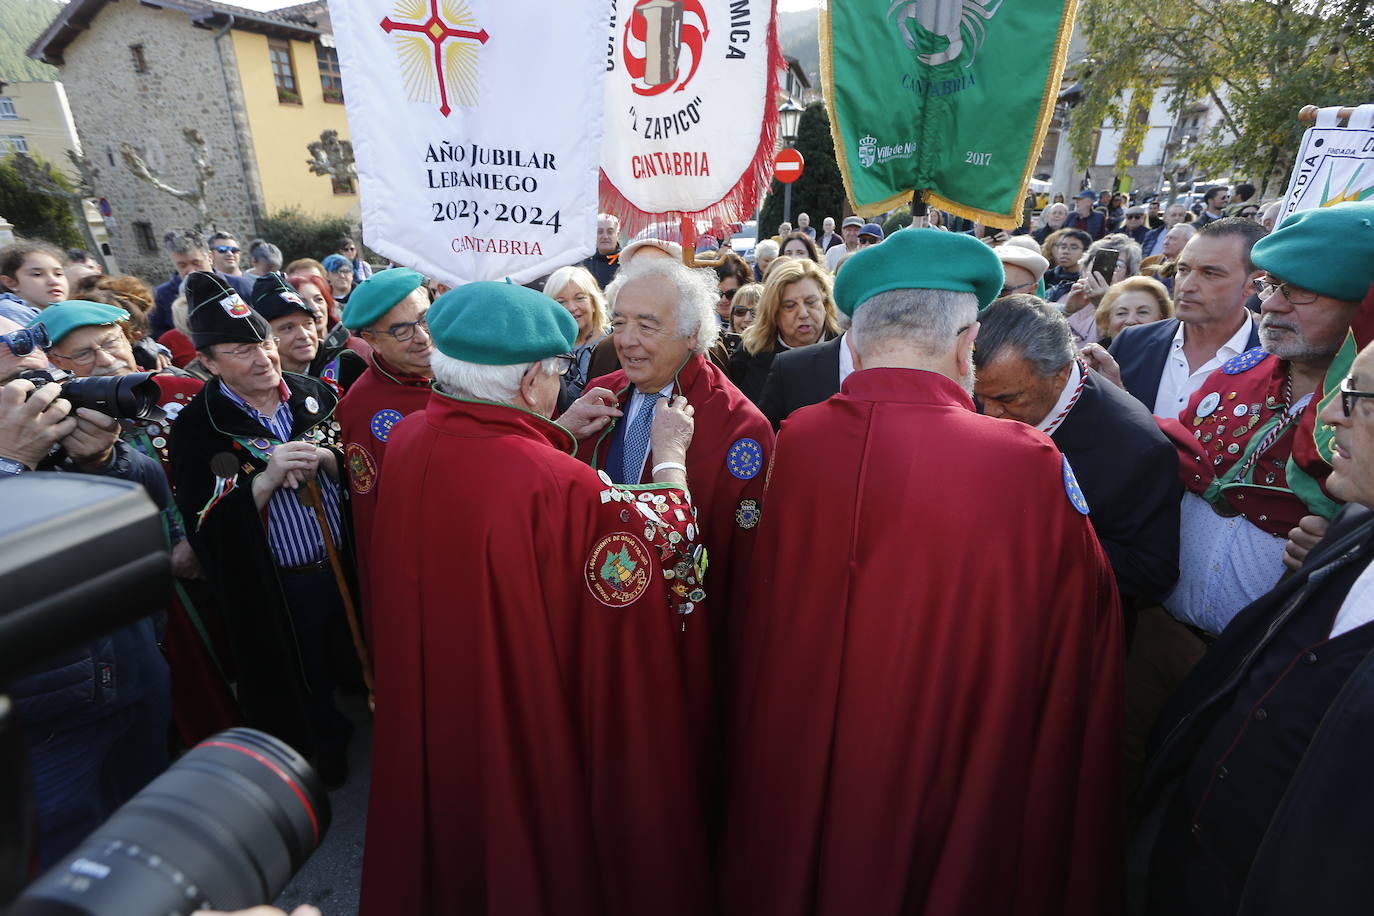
(938, 570)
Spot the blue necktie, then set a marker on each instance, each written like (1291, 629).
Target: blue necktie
(636, 447)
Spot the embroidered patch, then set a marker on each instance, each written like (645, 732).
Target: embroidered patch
(1245, 362)
(617, 570)
(382, 421)
(1076, 497)
(362, 470)
(330, 372)
(747, 514)
(745, 459)
(235, 307)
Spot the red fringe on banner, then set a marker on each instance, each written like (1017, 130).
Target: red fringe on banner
(747, 192)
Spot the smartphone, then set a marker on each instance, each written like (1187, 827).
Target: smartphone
(1104, 263)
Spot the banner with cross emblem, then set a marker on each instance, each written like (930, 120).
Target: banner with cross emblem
(476, 127)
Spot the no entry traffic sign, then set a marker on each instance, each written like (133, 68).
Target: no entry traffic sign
(788, 165)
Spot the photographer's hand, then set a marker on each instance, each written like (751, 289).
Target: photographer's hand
(90, 445)
(304, 909)
(28, 428)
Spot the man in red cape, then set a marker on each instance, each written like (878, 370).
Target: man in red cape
(927, 711)
(388, 310)
(533, 749)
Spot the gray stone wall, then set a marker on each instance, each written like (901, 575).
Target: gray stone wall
(113, 104)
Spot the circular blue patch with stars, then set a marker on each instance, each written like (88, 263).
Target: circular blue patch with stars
(1246, 361)
(1080, 502)
(382, 421)
(745, 459)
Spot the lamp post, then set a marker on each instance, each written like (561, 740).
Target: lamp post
(789, 116)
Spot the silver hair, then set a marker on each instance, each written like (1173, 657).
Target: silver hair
(262, 250)
(929, 319)
(694, 305)
(1029, 326)
(184, 241)
(608, 218)
(766, 249)
(500, 384)
(1128, 248)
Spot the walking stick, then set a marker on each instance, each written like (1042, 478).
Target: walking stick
(310, 495)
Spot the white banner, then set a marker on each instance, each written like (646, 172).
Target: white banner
(1334, 164)
(476, 125)
(691, 106)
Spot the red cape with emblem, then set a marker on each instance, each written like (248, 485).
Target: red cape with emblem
(927, 712)
(532, 749)
(377, 401)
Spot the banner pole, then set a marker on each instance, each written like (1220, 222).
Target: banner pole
(787, 202)
(1309, 113)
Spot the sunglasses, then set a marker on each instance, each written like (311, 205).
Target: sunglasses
(728, 294)
(226, 249)
(23, 341)
(741, 311)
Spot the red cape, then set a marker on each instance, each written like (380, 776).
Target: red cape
(927, 714)
(383, 395)
(532, 749)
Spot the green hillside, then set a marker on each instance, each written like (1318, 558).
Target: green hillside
(24, 20)
(797, 35)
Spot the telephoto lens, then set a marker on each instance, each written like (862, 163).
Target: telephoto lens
(224, 828)
(133, 396)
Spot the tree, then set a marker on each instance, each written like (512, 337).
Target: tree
(1257, 61)
(820, 189)
(36, 215)
(200, 159)
(301, 235)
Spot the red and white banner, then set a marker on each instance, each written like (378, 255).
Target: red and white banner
(690, 109)
(476, 125)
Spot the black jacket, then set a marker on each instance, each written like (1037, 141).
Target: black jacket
(1316, 850)
(1127, 469)
(231, 542)
(799, 378)
(750, 370)
(1142, 352)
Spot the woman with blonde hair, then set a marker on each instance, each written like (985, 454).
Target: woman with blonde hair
(797, 309)
(575, 289)
(1132, 301)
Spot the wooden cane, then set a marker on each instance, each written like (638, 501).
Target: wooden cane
(311, 496)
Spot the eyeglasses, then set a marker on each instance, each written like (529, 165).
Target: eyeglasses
(406, 331)
(23, 341)
(226, 249)
(567, 362)
(1349, 396)
(741, 311)
(86, 355)
(868, 240)
(1009, 290)
(728, 294)
(248, 351)
(1266, 288)
(1135, 215)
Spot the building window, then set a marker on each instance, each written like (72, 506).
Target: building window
(140, 62)
(331, 78)
(13, 144)
(283, 73)
(146, 241)
(7, 112)
(343, 186)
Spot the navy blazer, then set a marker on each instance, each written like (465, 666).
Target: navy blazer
(1150, 238)
(1142, 352)
(1128, 471)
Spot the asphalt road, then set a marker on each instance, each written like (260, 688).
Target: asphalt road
(331, 878)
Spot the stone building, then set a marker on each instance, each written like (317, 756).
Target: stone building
(258, 87)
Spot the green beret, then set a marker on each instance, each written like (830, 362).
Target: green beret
(499, 324)
(375, 296)
(61, 318)
(920, 259)
(1329, 250)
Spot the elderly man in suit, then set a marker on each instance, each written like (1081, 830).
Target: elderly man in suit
(1164, 363)
(1028, 371)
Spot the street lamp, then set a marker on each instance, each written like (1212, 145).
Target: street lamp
(789, 116)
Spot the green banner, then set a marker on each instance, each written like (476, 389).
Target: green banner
(948, 97)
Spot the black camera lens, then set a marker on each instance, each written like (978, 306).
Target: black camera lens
(132, 396)
(224, 828)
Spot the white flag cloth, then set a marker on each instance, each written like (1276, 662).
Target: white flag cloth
(1333, 164)
(691, 107)
(476, 126)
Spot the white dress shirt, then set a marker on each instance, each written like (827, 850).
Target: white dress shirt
(1052, 420)
(846, 358)
(1358, 608)
(1177, 384)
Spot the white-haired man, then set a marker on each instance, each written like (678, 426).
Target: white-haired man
(536, 739)
(604, 262)
(664, 319)
(929, 679)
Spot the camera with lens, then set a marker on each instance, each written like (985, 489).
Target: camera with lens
(133, 396)
(227, 825)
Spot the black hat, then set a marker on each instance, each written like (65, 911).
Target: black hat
(273, 297)
(218, 314)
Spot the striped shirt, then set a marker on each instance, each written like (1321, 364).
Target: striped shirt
(293, 533)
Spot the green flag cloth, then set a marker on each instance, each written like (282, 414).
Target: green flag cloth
(948, 97)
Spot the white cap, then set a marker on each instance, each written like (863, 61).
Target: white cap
(1023, 258)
